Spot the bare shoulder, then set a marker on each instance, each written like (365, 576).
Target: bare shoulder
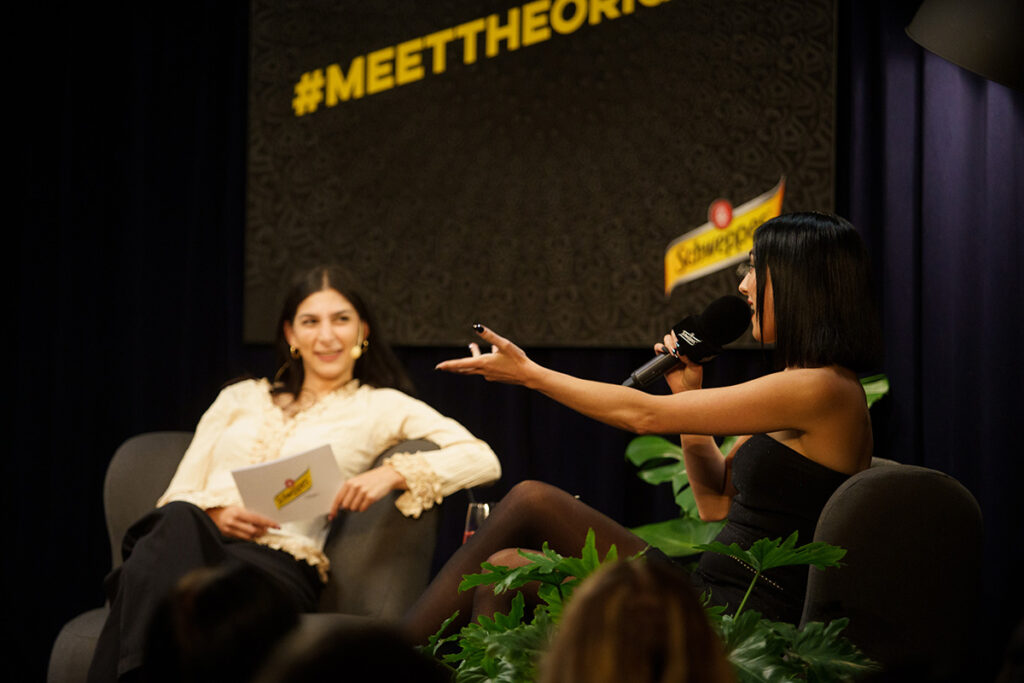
(838, 427)
(825, 384)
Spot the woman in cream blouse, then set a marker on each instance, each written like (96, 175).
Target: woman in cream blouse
(339, 385)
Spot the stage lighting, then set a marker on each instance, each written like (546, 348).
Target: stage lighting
(983, 36)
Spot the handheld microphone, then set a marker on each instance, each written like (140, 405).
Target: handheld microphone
(700, 338)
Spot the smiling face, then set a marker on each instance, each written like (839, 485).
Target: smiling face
(325, 329)
(763, 322)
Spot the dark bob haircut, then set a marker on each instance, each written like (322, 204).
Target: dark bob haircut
(821, 279)
(377, 367)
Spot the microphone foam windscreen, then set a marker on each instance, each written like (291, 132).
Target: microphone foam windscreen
(725, 319)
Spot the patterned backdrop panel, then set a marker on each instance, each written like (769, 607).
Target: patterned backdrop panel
(524, 165)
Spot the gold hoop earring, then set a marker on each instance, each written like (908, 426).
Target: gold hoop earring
(358, 351)
(294, 352)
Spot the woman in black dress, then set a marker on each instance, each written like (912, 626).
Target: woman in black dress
(804, 428)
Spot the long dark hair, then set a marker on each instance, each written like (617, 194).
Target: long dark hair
(377, 367)
(821, 279)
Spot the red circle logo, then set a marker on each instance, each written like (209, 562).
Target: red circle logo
(720, 213)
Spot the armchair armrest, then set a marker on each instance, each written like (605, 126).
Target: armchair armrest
(380, 559)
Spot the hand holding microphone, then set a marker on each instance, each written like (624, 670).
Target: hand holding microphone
(699, 337)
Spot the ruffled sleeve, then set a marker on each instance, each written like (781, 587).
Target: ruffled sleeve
(425, 487)
(461, 461)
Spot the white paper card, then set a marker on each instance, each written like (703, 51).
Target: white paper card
(293, 488)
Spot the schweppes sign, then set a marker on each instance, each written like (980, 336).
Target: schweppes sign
(726, 239)
(293, 488)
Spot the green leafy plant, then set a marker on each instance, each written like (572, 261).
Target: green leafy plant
(506, 648)
(765, 554)
(500, 649)
(661, 461)
(875, 387)
(761, 650)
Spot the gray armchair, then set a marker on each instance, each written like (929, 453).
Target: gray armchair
(910, 583)
(380, 559)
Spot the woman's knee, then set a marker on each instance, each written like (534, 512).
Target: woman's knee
(507, 557)
(175, 513)
(174, 521)
(534, 494)
(179, 508)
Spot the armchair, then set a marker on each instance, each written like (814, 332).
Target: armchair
(380, 559)
(910, 583)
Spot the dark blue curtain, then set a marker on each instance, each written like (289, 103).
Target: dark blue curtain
(129, 174)
(934, 159)
(131, 166)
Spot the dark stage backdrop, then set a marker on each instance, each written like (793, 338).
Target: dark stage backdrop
(129, 234)
(529, 179)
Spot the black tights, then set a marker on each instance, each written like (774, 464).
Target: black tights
(532, 513)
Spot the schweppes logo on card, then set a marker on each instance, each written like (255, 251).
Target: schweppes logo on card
(726, 239)
(293, 488)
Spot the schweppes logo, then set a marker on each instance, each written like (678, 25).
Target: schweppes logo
(726, 239)
(293, 488)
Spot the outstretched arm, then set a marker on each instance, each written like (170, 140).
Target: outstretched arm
(616, 405)
(747, 408)
(507, 363)
(820, 412)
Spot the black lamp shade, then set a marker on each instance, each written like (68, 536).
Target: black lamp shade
(983, 36)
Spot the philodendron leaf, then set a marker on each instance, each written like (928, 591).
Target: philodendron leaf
(822, 653)
(581, 567)
(686, 502)
(546, 567)
(502, 648)
(663, 473)
(875, 387)
(436, 641)
(547, 561)
(589, 553)
(767, 553)
(736, 629)
(645, 448)
(753, 649)
(502, 622)
(554, 597)
(680, 481)
(679, 537)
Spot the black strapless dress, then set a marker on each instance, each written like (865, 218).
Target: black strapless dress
(778, 491)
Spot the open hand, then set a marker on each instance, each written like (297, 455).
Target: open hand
(237, 522)
(506, 362)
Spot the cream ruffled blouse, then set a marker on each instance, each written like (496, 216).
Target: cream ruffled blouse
(244, 427)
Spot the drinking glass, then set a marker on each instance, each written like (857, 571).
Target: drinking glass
(476, 513)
